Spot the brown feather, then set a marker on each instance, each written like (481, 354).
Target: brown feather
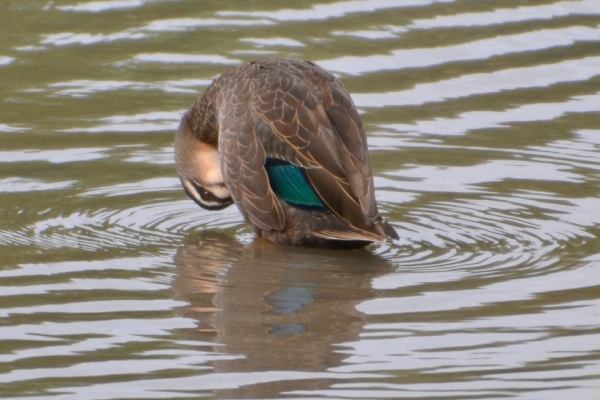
(298, 112)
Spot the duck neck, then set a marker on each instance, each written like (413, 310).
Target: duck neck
(203, 118)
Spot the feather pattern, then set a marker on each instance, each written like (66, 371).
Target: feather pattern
(297, 112)
(291, 184)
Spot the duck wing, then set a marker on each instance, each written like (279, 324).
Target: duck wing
(299, 112)
(242, 153)
(307, 111)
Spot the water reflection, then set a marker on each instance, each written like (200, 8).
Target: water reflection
(278, 308)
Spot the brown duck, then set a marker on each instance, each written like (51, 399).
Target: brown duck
(282, 140)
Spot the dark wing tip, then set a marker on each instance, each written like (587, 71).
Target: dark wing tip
(389, 230)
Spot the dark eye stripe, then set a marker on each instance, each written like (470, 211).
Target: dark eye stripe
(211, 202)
(203, 192)
(205, 189)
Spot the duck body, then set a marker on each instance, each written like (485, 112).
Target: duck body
(282, 140)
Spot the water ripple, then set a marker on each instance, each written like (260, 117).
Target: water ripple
(471, 179)
(20, 185)
(6, 60)
(95, 307)
(54, 156)
(12, 128)
(185, 24)
(100, 6)
(158, 121)
(162, 156)
(488, 83)
(332, 10)
(475, 50)
(83, 88)
(125, 189)
(69, 267)
(284, 42)
(161, 223)
(171, 58)
(371, 35)
(68, 38)
(510, 15)
(144, 32)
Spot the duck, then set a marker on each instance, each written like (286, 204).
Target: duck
(283, 141)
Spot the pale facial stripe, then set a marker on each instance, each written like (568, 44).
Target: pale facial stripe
(219, 190)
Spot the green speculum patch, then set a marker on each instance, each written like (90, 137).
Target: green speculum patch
(291, 184)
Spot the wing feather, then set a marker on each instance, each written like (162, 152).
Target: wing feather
(326, 133)
(298, 111)
(243, 155)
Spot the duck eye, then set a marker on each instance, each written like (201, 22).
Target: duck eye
(206, 195)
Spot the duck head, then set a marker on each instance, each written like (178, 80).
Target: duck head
(199, 170)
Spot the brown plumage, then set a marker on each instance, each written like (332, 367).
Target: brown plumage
(287, 112)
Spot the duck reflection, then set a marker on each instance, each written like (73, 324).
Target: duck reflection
(280, 308)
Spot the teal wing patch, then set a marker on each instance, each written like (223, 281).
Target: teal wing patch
(290, 183)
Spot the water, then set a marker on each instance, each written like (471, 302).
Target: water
(483, 122)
